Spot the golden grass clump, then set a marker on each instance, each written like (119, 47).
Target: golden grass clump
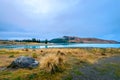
(26, 49)
(2, 51)
(52, 63)
(34, 55)
(11, 56)
(59, 53)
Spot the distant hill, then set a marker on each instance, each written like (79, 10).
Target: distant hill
(72, 39)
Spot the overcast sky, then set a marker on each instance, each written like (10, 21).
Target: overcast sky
(47, 19)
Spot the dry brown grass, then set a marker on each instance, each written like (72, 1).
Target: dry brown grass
(91, 55)
(53, 60)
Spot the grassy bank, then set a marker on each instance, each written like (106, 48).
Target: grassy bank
(55, 64)
(23, 43)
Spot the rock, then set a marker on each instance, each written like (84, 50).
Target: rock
(24, 62)
(2, 68)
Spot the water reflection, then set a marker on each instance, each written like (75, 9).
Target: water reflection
(34, 47)
(60, 46)
(46, 46)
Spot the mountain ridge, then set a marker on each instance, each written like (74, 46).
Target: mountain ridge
(74, 39)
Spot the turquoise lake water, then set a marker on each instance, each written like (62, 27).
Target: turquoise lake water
(71, 45)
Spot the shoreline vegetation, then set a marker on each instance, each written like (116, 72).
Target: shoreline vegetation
(63, 64)
(64, 39)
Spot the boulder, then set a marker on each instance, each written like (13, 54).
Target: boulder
(24, 62)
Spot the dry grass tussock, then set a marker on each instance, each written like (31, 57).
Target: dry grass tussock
(53, 62)
(91, 55)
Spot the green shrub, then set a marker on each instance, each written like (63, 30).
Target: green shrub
(26, 55)
(11, 56)
(18, 78)
(34, 55)
(32, 76)
(6, 79)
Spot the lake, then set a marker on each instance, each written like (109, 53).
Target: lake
(70, 45)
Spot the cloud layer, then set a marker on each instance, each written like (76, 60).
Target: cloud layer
(54, 18)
